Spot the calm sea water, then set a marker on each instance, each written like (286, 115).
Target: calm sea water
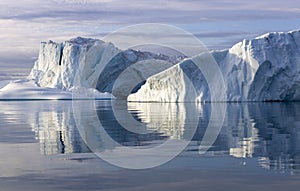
(50, 145)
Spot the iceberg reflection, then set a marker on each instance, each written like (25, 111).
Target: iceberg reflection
(115, 136)
(269, 132)
(278, 127)
(55, 128)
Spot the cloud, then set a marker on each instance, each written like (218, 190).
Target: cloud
(174, 11)
(219, 23)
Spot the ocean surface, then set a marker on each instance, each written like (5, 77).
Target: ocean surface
(103, 145)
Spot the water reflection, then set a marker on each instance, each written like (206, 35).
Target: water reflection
(55, 128)
(266, 132)
(278, 127)
(115, 136)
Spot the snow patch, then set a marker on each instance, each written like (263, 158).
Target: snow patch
(28, 90)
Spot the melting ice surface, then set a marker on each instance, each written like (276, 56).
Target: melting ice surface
(42, 148)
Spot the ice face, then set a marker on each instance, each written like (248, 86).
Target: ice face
(71, 63)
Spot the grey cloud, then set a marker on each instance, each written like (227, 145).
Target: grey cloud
(166, 16)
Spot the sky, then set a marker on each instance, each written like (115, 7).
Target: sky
(219, 24)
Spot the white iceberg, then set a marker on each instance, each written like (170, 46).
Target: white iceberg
(82, 68)
(266, 68)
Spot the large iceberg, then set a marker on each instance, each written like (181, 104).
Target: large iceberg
(86, 68)
(266, 68)
(92, 63)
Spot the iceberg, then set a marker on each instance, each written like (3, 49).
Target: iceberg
(84, 62)
(84, 65)
(266, 68)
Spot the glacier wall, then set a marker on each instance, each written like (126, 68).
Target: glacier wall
(266, 68)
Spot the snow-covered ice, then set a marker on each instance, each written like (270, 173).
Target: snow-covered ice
(28, 90)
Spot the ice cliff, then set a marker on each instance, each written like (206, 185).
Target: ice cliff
(266, 68)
